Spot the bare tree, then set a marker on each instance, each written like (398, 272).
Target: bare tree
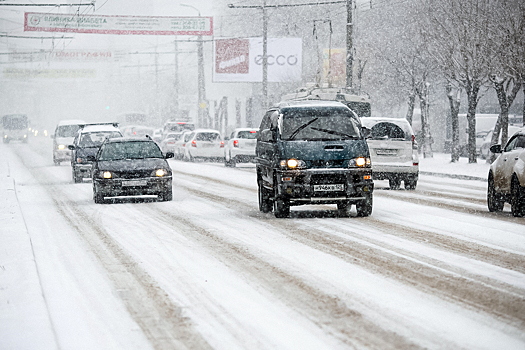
(508, 73)
(461, 32)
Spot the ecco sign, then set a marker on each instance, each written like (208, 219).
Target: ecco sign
(281, 60)
(240, 60)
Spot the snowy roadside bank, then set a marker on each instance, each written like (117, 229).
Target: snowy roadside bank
(440, 165)
(24, 318)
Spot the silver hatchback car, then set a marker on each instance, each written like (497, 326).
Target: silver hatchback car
(393, 151)
(506, 181)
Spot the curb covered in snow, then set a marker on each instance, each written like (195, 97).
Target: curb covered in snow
(453, 176)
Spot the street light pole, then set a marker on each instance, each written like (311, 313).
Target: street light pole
(201, 120)
(349, 45)
(265, 57)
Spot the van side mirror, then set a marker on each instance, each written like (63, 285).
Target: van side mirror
(495, 148)
(170, 155)
(268, 135)
(71, 147)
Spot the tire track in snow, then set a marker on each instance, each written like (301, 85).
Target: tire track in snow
(328, 311)
(473, 293)
(161, 320)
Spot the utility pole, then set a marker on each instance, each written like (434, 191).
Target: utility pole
(265, 58)
(176, 79)
(349, 45)
(202, 119)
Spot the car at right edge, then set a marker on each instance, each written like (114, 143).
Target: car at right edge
(506, 180)
(393, 151)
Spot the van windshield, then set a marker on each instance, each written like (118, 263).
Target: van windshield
(318, 124)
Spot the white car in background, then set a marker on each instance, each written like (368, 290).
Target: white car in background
(180, 144)
(204, 144)
(393, 151)
(65, 133)
(240, 146)
(168, 143)
(485, 146)
(506, 180)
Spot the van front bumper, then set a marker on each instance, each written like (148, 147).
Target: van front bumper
(324, 186)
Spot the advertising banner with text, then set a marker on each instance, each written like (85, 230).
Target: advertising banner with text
(124, 25)
(240, 60)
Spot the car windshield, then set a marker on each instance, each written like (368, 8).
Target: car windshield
(318, 124)
(67, 130)
(207, 136)
(252, 134)
(95, 139)
(130, 150)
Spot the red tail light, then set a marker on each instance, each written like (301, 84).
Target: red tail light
(235, 143)
(222, 144)
(194, 143)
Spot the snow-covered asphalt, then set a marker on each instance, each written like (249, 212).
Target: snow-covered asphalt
(430, 268)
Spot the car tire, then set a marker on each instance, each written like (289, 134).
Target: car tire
(281, 208)
(76, 179)
(227, 161)
(394, 184)
(364, 207)
(166, 196)
(495, 201)
(97, 197)
(517, 198)
(410, 185)
(265, 203)
(344, 208)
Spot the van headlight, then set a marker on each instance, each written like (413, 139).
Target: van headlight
(61, 146)
(360, 162)
(293, 164)
(106, 174)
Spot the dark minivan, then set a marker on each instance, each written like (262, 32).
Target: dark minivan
(313, 152)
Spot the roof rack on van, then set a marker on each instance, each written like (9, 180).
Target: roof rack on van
(115, 124)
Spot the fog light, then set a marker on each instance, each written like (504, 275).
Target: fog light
(366, 189)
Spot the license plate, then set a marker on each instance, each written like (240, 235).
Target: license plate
(331, 187)
(386, 152)
(135, 183)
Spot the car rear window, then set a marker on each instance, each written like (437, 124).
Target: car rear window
(207, 136)
(252, 134)
(95, 139)
(388, 129)
(67, 130)
(130, 150)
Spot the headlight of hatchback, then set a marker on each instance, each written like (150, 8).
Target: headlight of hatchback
(293, 164)
(360, 162)
(161, 172)
(106, 174)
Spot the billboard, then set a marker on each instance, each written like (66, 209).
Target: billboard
(61, 55)
(334, 66)
(125, 25)
(240, 60)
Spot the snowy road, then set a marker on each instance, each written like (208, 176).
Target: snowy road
(431, 268)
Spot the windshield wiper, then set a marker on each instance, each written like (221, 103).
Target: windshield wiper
(333, 132)
(296, 131)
